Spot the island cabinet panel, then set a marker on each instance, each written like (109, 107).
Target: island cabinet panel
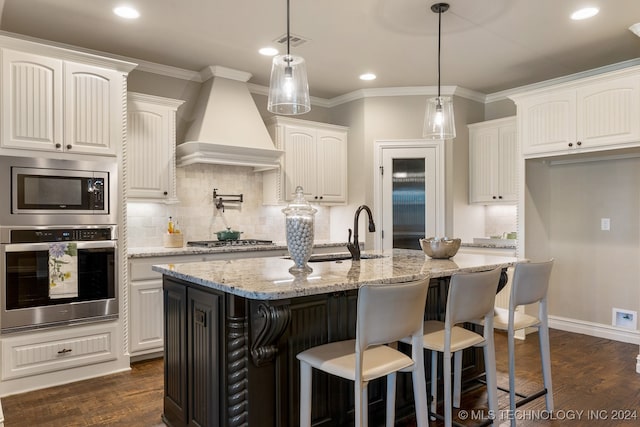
(231, 361)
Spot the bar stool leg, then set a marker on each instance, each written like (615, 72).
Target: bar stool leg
(391, 400)
(446, 372)
(457, 378)
(512, 374)
(545, 356)
(420, 397)
(492, 381)
(434, 381)
(305, 394)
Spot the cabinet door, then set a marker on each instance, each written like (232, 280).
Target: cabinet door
(508, 163)
(203, 338)
(548, 122)
(175, 353)
(483, 158)
(608, 112)
(146, 320)
(93, 109)
(300, 163)
(331, 149)
(150, 160)
(31, 101)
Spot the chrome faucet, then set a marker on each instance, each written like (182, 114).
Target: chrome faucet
(354, 247)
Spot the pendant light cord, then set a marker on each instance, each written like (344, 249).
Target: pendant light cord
(439, 41)
(288, 34)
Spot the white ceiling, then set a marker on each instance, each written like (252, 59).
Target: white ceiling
(487, 45)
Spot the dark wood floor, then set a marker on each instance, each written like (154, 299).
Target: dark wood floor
(589, 374)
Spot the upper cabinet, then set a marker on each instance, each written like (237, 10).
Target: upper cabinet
(315, 158)
(151, 142)
(592, 114)
(53, 101)
(493, 162)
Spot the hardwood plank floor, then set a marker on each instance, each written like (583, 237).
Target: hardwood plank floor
(589, 374)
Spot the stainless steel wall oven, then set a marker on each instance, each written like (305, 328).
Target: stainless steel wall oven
(28, 258)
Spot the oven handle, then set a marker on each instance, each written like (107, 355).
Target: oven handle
(26, 247)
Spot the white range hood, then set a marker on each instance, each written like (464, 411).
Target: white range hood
(227, 128)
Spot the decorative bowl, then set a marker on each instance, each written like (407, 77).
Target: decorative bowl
(440, 247)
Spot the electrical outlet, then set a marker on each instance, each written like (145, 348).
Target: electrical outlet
(605, 224)
(627, 319)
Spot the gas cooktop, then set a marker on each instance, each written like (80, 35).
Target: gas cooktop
(240, 242)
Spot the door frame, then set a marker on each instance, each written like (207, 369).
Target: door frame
(439, 147)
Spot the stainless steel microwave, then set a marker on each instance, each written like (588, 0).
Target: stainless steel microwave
(57, 192)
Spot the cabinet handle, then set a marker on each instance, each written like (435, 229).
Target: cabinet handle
(499, 197)
(579, 143)
(320, 197)
(200, 318)
(58, 145)
(65, 350)
(571, 144)
(494, 197)
(69, 146)
(315, 197)
(165, 193)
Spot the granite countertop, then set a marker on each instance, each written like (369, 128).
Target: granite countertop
(145, 252)
(269, 278)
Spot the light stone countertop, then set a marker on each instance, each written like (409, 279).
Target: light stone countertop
(488, 245)
(269, 278)
(145, 252)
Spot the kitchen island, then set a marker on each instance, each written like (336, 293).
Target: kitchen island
(234, 327)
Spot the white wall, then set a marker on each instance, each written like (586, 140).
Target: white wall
(595, 270)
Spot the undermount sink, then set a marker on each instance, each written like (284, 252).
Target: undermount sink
(339, 257)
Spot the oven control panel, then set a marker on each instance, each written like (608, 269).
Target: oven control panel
(61, 235)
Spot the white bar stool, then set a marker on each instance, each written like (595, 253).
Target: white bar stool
(471, 296)
(386, 313)
(530, 285)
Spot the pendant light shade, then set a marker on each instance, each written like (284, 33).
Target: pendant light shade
(288, 87)
(439, 122)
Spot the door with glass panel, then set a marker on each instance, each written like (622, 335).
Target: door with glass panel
(411, 194)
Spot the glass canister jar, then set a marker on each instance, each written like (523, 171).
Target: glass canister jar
(299, 219)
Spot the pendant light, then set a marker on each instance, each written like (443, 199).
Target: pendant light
(288, 89)
(439, 122)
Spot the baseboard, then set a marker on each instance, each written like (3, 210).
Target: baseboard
(595, 330)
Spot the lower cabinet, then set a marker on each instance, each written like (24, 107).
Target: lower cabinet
(193, 329)
(33, 353)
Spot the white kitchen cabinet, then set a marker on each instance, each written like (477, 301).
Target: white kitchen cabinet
(53, 101)
(315, 158)
(32, 353)
(596, 113)
(151, 141)
(493, 161)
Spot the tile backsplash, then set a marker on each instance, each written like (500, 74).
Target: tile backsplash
(199, 219)
(500, 219)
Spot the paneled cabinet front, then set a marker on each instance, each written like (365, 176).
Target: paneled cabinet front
(493, 160)
(51, 104)
(151, 138)
(315, 158)
(596, 114)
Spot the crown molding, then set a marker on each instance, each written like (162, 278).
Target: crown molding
(506, 94)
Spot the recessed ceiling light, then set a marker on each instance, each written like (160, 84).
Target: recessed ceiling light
(126, 12)
(585, 13)
(635, 29)
(367, 76)
(268, 51)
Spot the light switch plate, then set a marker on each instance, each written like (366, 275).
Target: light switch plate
(605, 224)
